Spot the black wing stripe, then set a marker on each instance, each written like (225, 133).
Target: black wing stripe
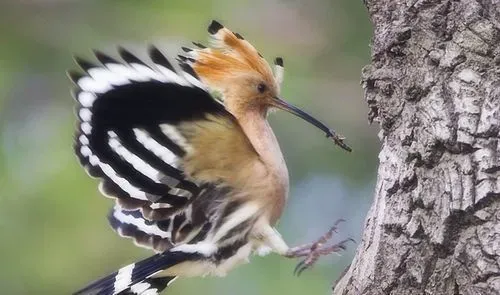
(175, 197)
(104, 58)
(121, 147)
(180, 189)
(169, 72)
(84, 64)
(107, 186)
(158, 213)
(137, 148)
(159, 235)
(136, 214)
(109, 172)
(110, 189)
(135, 184)
(189, 70)
(121, 217)
(157, 134)
(140, 67)
(161, 151)
(128, 57)
(115, 186)
(159, 59)
(75, 76)
(179, 219)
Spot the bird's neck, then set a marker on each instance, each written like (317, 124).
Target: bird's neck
(262, 138)
(275, 182)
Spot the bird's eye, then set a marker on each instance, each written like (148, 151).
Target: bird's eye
(261, 87)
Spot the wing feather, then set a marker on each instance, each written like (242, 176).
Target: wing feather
(127, 134)
(134, 135)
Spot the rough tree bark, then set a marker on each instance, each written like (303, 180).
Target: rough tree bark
(434, 88)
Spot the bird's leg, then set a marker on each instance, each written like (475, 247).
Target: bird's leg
(313, 251)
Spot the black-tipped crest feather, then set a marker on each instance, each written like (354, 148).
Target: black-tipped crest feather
(214, 27)
(199, 45)
(279, 61)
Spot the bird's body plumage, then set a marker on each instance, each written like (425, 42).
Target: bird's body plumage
(200, 181)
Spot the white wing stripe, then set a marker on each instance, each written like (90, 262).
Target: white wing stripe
(194, 81)
(85, 114)
(171, 132)
(150, 229)
(180, 192)
(172, 76)
(86, 99)
(148, 72)
(91, 85)
(104, 74)
(86, 128)
(133, 159)
(123, 278)
(121, 182)
(239, 216)
(112, 175)
(146, 169)
(127, 72)
(155, 147)
(83, 140)
(139, 288)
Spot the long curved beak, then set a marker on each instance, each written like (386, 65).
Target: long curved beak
(338, 139)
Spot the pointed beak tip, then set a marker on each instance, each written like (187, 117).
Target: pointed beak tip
(339, 140)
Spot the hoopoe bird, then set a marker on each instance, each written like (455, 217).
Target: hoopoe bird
(190, 159)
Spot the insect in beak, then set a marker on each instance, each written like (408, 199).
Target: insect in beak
(338, 139)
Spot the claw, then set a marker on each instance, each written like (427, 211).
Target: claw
(301, 270)
(313, 251)
(297, 271)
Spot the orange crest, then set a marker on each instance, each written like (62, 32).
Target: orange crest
(229, 56)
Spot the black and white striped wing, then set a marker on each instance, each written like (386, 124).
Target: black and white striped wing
(128, 112)
(189, 225)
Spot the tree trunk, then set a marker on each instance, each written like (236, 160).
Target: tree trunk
(434, 88)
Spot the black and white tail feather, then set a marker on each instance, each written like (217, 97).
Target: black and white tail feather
(128, 137)
(137, 278)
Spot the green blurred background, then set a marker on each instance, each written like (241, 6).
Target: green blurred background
(54, 236)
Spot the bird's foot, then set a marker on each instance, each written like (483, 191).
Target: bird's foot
(313, 251)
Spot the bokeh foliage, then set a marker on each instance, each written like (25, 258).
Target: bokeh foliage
(54, 235)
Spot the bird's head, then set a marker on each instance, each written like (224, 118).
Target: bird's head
(233, 68)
